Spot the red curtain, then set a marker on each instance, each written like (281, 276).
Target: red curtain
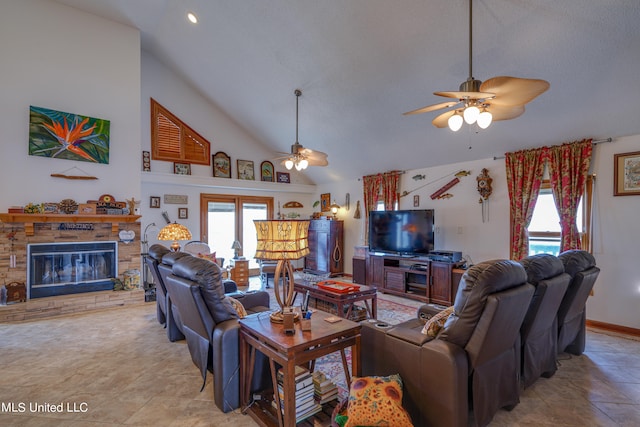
(525, 171)
(390, 189)
(568, 168)
(371, 187)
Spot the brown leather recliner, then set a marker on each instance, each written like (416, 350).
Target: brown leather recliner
(581, 266)
(539, 331)
(474, 361)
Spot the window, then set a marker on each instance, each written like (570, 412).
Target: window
(174, 141)
(544, 229)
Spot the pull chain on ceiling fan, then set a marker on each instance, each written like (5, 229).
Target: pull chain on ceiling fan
(301, 157)
(499, 98)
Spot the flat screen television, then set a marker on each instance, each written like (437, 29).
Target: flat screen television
(408, 232)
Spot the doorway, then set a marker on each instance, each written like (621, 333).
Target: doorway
(225, 218)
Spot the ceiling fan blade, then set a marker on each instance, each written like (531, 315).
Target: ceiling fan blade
(315, 158)
(505, 112)
(433, 107)
(462, 95)
(442, 121)
(514, 90)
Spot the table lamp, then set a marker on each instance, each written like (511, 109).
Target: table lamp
(282, 241)
(236, 246)
(175, 232)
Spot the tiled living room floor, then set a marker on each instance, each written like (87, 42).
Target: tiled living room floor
(120, 363)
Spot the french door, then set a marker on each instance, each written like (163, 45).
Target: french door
(225, 218)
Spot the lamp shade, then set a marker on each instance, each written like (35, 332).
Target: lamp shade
(175, 232)
(282, 239)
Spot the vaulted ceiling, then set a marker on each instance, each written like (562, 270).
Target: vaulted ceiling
(361, 63)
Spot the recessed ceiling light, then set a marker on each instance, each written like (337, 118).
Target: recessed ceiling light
(192, 17)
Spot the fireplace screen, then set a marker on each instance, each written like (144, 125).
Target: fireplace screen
(69, 268)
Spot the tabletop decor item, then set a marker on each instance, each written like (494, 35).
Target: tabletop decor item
(282, 241)
(174, 231)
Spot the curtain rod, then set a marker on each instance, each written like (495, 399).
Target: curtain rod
(599, 141)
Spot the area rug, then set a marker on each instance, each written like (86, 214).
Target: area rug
(388, 311)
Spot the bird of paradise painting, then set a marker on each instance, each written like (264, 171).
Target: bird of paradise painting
(68, 136)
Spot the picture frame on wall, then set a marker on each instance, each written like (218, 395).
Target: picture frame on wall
(626, 172)
(182, 168)
(325, 202)
(154, 202)
(283, 177)
(221, 165)
(245, 170)
(266, 171)
(183, 213)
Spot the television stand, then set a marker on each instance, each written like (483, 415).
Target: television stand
(414, 277)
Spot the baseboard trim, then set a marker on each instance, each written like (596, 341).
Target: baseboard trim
(613, 328)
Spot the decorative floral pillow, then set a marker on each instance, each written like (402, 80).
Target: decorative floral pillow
(238, 307)
(436, 323)
(211, 257)
(376, 401)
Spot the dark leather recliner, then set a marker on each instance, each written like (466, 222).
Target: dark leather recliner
(581, 266)
(539, 331)
(210, 325)
(174, 322)
(154, 257)
(474, 360)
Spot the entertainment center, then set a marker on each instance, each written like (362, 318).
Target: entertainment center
(401, 259)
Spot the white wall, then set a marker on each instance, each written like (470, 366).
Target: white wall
(459, 225)
(57, 57)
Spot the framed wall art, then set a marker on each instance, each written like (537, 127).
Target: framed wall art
(69, 136)
(626, 171)
(245, 170)
(266, 171)
(154, 202)
(183, 213)
(283, 177)
(182, 168)
(325, 202)
(221, 165)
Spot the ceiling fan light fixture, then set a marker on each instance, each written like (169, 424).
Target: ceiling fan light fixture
(455, 122)
(471, 114)
(304, 163)
(484, 119)
(288, 164)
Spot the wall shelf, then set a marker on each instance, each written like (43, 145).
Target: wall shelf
(30, 219)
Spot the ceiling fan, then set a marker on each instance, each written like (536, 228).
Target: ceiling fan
(499, 98)
(301, 157)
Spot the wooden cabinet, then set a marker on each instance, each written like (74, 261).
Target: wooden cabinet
(240, 271)
(414, 277)
(326, 247)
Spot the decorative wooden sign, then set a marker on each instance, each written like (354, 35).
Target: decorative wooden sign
(444, 188)
(176, 199)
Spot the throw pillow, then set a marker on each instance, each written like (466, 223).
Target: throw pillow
(436, 323)
(376, 401)
(238, 307)
(211, 257)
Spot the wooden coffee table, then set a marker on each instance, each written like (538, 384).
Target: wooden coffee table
(341, 300)
(300, 348)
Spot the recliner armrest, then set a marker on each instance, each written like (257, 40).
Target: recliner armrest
(253, 299)
(410, 331)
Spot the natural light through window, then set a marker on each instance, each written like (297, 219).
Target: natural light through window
(544, 228)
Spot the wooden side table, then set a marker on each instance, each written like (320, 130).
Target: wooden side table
(240, 271)
(257, 333)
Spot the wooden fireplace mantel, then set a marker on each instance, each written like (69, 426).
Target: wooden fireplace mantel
(30, 219)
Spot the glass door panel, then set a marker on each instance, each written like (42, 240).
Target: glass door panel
(251, 211)
(221, 228)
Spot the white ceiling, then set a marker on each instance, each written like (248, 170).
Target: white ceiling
(361, 63)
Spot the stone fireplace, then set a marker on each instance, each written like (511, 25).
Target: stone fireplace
(21, 233)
